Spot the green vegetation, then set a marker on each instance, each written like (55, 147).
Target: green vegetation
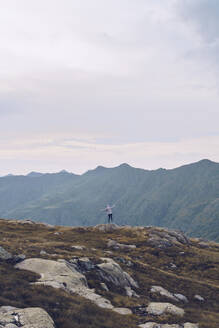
(186, 198)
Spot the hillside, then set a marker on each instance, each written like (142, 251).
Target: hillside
(185, 198)
(106, 277)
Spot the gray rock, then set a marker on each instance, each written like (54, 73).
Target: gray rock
(113, 244)
(199, 298)
(181, 298)
(163, 292)
(26, 318)
(112, 272)
(54, 272)
(18, 258)
(82, 264)
(42, 252)
(163, 238)
(106, 227)
(61, 274)
(173, 266)
(204, 245)
(130, 292)
(150, 325)
(123, 311)
(78, 247)
(156, 308)
(158, 325)
(170, 326)
(104, 286)
(190, 325)
(5, 255)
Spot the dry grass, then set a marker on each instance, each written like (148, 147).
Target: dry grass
(197, 272)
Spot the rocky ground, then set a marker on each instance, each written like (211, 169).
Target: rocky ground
(106, 276)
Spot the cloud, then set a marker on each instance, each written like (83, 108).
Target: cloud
(117, 72)
(53, 153)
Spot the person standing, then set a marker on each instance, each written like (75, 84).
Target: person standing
(109, 212)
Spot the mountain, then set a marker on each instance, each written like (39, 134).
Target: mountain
(185, 198)
(106, 276)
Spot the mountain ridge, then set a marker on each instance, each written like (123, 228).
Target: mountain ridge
(185, 198)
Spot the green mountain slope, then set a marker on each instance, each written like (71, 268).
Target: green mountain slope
(185, 198)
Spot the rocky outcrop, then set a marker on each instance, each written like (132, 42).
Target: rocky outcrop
(63, 274)
(157, 325)
(106, 227)
(60, 274)
(156, 308)
(110, 271)
(164, 238)
(11, 317)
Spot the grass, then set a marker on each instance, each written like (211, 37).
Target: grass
(197, 272)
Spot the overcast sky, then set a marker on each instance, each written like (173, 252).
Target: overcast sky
(102, 82)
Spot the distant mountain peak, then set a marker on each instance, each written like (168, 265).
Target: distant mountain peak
(34, 174)
(100, 167)
(206, 161)
(124, 165)
(63, 172)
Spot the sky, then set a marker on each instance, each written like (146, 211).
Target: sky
(86, 83)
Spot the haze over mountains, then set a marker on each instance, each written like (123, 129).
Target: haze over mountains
(185, 198)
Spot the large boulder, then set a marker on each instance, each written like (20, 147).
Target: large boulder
(61, 274)
(26, 318)
(54, 273)
(156, 308)
(111, 271)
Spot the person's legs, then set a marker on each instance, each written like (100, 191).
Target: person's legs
(108, 218)
(111, 218)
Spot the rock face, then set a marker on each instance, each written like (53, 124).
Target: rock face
(163, 238)
(54, 273)
(112, 272)
(11, 317)
(164, 308)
